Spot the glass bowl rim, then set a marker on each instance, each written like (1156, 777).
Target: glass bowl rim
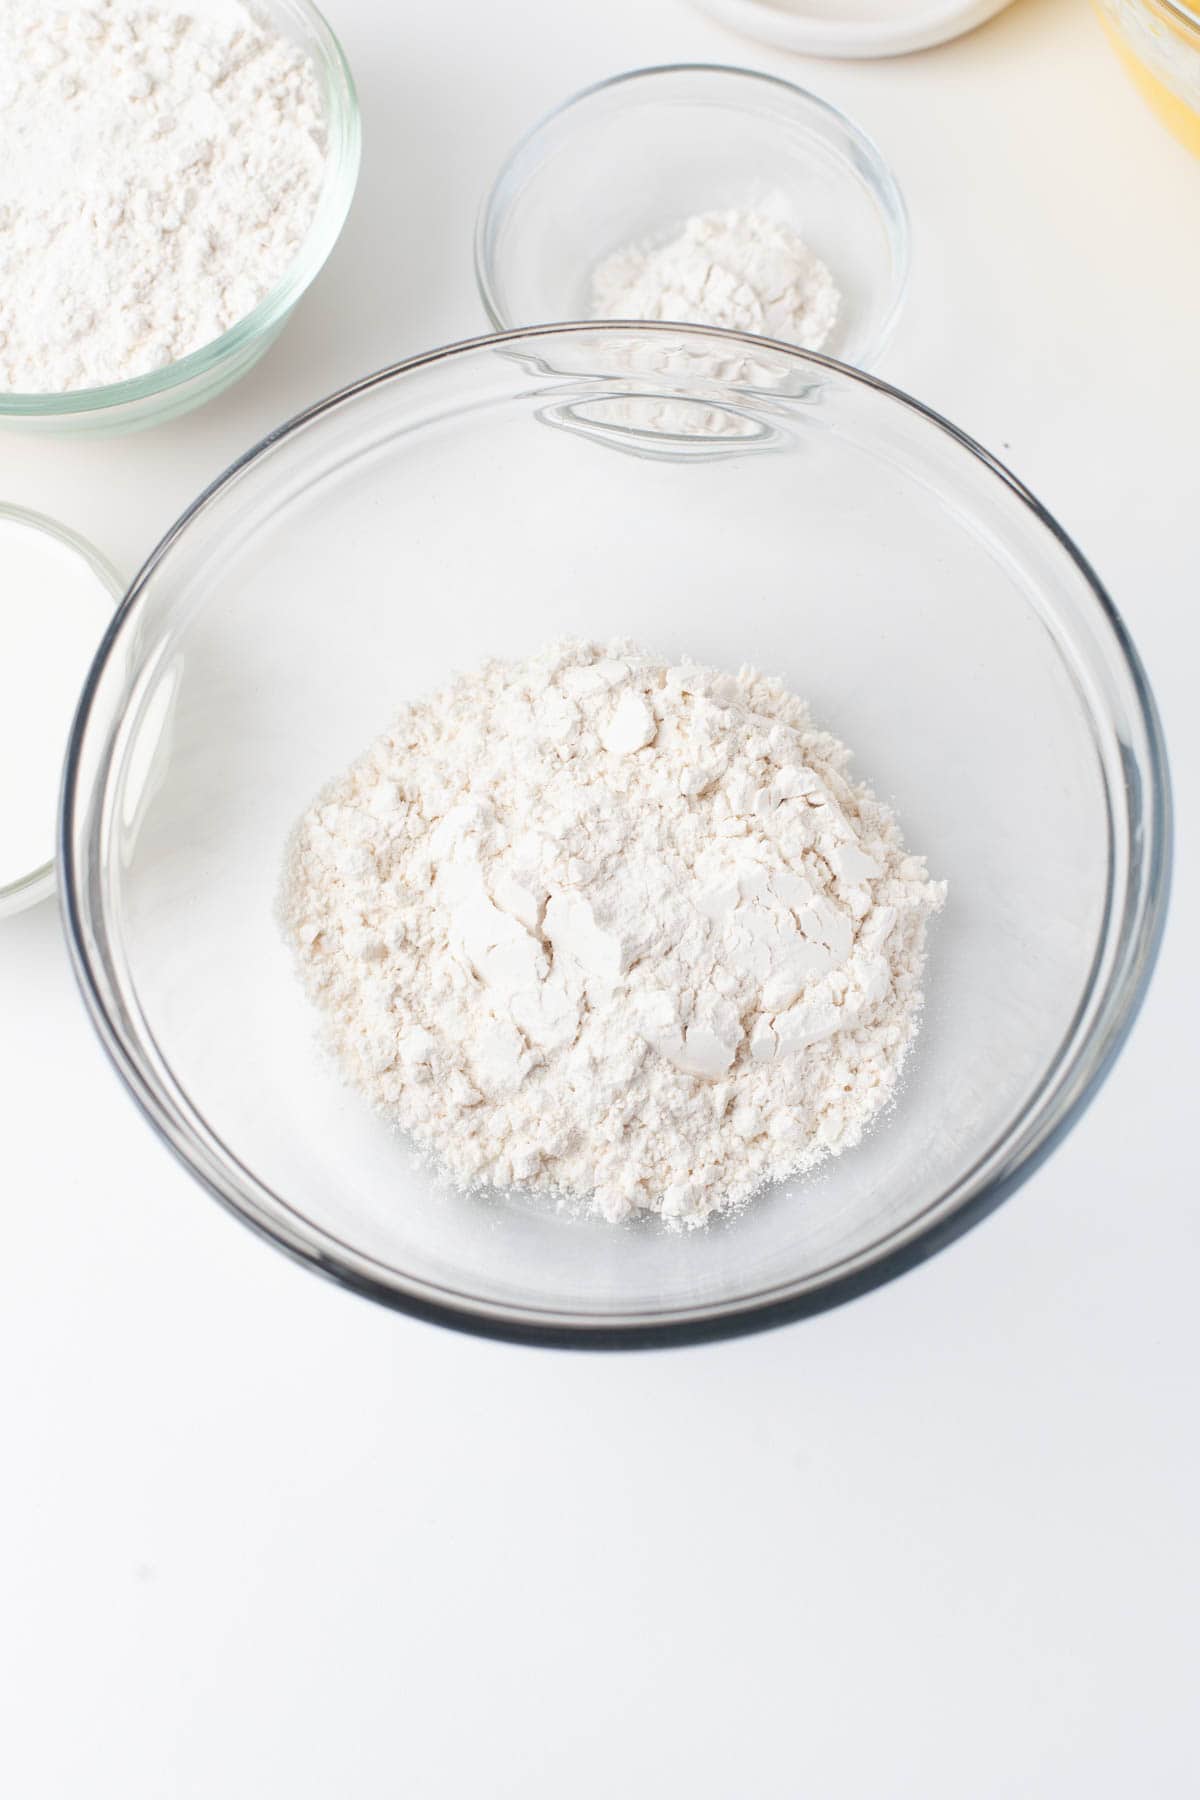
(345, 153)
(884, 186)
(1186, 14)
(1068, 1085)
(38, 883)
(1182, 11)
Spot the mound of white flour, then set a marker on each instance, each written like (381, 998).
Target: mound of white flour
(744, 271)
(158, 174)
(599, 926)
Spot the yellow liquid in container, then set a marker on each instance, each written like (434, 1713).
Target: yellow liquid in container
(1161, 51)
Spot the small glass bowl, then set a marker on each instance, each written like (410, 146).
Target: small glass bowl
(165, 393)
(627, 161)
(474, 503)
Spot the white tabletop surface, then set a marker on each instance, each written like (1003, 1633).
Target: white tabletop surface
(260, 1537)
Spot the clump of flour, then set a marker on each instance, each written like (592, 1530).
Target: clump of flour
(608, 928)
(158, 174)
(745, 271)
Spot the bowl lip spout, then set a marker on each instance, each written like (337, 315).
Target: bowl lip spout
(1131, 935)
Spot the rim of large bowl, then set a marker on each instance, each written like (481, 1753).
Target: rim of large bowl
(344, 153)
(887, 191)
(1068, 1084)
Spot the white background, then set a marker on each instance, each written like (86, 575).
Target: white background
(262, 1538)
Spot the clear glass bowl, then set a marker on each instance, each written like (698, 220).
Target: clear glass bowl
(1159, 43)
(690, 139)
(165, 393)
(479, 501)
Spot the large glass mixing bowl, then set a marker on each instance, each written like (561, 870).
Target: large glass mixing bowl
(602, 481)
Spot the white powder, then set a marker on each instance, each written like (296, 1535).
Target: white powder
(597, 926)
(158, 173)
(746, 271)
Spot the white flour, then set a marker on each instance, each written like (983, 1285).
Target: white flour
(598, 926)
(158, 173)
(746, 271)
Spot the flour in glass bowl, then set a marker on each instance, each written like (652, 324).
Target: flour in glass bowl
(614, 929)
(159, 171)
(741, 270)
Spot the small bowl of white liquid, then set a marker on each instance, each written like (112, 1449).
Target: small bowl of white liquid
(57, 596)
